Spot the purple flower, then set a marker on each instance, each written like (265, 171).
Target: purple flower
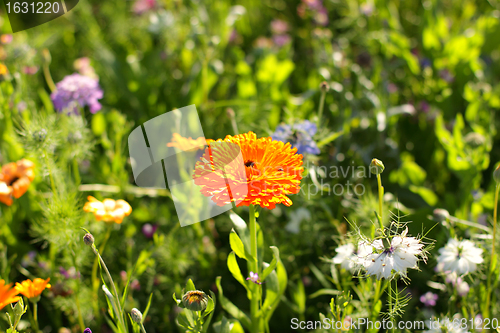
(87, 330)
(279, 27)
(254, 277)
(281, 40)
(28, 259)
(149, 230)
(71, 273)
(429, 299)
(299, 135)
(76, 91)
(30, 70)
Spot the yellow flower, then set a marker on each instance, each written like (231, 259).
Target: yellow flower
(186, 144)
(7, 295)
(108, 210)
(3, 69)
(32, 289)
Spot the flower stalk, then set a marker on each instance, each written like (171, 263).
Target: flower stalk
(254, 302)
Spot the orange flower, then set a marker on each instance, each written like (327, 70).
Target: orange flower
(7, 295)
(272, 171)
(32, 289)
(108, 210)
(15, 178)
(186, 144)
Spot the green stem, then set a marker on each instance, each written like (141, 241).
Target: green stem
(380, 200)
(76, 172)
(48, 78)
(321, 106)
(493, 259)
(115, 292)
(52, 183)
(95, 283)
(35, 315)
(143, 330)
(254, 302)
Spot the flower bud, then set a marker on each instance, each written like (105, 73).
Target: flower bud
(87, 330)
(18, 309)
(88, 239)
(440, 215)
(496, 174)
(376, 166)
(324, 86)
(195, 300)
(230, 112)
(136, 315)
(40, 135)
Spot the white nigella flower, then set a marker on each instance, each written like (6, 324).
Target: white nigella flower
(349, 258)
(402, 254)
(461, 257)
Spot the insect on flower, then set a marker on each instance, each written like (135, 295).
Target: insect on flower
(272, 170)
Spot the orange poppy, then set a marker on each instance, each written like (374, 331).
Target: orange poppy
(7, 294)
(108, 210)
(186, 144)
(32, 289)
(271, 171)
(15, 178)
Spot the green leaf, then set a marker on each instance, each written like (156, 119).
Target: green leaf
(232, 309)
(190, 286)
(299, 296)
(178, 301)
(98, 124)
(272, 265)
(321, 278)
(237, 245)
(332, 137)
(322, 292)
(145, 313)
(242, 229)
(234, 268)
(210, 309)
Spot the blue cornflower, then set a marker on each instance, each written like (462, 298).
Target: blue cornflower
(299, 135)
(76, 91)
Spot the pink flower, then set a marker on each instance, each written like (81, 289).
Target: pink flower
(429, 299)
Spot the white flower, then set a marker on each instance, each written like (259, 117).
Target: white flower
(401, 255)
(461, 257)
(350, 259)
